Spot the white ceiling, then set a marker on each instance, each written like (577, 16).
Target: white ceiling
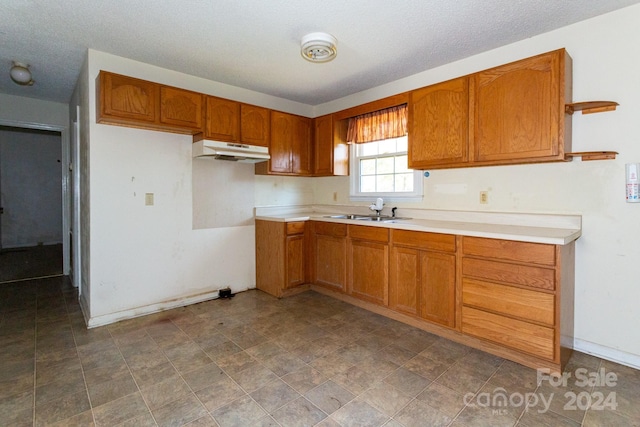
(255, 44)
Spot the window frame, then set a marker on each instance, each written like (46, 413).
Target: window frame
(354, 181)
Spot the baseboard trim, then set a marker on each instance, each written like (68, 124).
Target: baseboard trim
(107, 319)
(608, 353)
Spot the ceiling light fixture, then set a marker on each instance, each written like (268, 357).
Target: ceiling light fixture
(21, 74)
(318, 47)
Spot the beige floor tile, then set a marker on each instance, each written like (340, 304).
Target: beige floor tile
(179, 412)
(274, 395)
(17, 409)
(385, 398)
(305, 379)
(407, 382)
(359, 413)
(120, 410)
(219, 394)
(254, 377)
(300, 412)
(329, 397)
(61, 408)
(445, 400)
(239, 413)
(164, 392)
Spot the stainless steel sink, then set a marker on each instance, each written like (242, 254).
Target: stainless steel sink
(381, 218)
(375, 218)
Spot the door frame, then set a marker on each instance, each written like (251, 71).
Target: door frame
(66, 191)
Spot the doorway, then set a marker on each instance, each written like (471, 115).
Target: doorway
(31, 204)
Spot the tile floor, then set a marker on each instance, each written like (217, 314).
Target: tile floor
(253, 360)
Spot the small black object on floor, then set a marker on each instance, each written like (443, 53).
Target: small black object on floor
(225, 293)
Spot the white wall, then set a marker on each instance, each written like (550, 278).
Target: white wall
(199, 235)
(31, 185)
(605, 67)
(20, 110)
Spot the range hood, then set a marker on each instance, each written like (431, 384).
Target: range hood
(232, 151)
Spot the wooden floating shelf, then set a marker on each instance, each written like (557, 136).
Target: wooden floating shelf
(590, 107)
(592, 155)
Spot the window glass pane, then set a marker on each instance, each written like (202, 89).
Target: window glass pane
(402, 164)
(404, 181)
(385, 165)
(368, 149)
(403, 146)
(385, 183)
(387, 146)
(368, 167)
(368, 184)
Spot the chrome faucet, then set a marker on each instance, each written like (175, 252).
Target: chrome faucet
(377, 206)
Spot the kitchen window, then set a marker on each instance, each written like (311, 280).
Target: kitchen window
(379, 157)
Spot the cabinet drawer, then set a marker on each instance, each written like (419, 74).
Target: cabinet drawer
(534, 253)
(421, 240)
(535, 277)
(523, 336)
(369, 233)
(330, 229)
(516, 302)
(295, 227)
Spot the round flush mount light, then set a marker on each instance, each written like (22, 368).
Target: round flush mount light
(318, 47)
(21, 74)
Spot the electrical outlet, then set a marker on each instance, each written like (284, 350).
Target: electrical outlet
(484, 197)
(335, 196)
(148, 199)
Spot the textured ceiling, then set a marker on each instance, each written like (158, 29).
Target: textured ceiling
(255, 44)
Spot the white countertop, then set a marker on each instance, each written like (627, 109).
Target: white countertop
(525, 227)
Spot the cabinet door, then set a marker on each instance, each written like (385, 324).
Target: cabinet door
(131, 100)
(301, 146)
(404, 281)
(270, 256)
(438, 287)
(295, 260)
(331, 261)
(281, 142)
(223, 119)
(519, 108)
(439, 124)
(181, 108)
(323, 142)
(254, 125)
(369, 271)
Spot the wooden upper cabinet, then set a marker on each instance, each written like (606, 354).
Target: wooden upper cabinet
(438, 124)
(142, 104)
(282, 135)
(331, 153)
(301, 150)
(182, 108)
(125, 100)
(289, 145)
(519, 110)
(254, 125)
(223, 119)
(323, 141)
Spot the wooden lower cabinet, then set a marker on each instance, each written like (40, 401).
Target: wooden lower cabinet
(329, 249)
(512, 299)
(519, 295)
(280, 256)
(423, 280)
(368, 264)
